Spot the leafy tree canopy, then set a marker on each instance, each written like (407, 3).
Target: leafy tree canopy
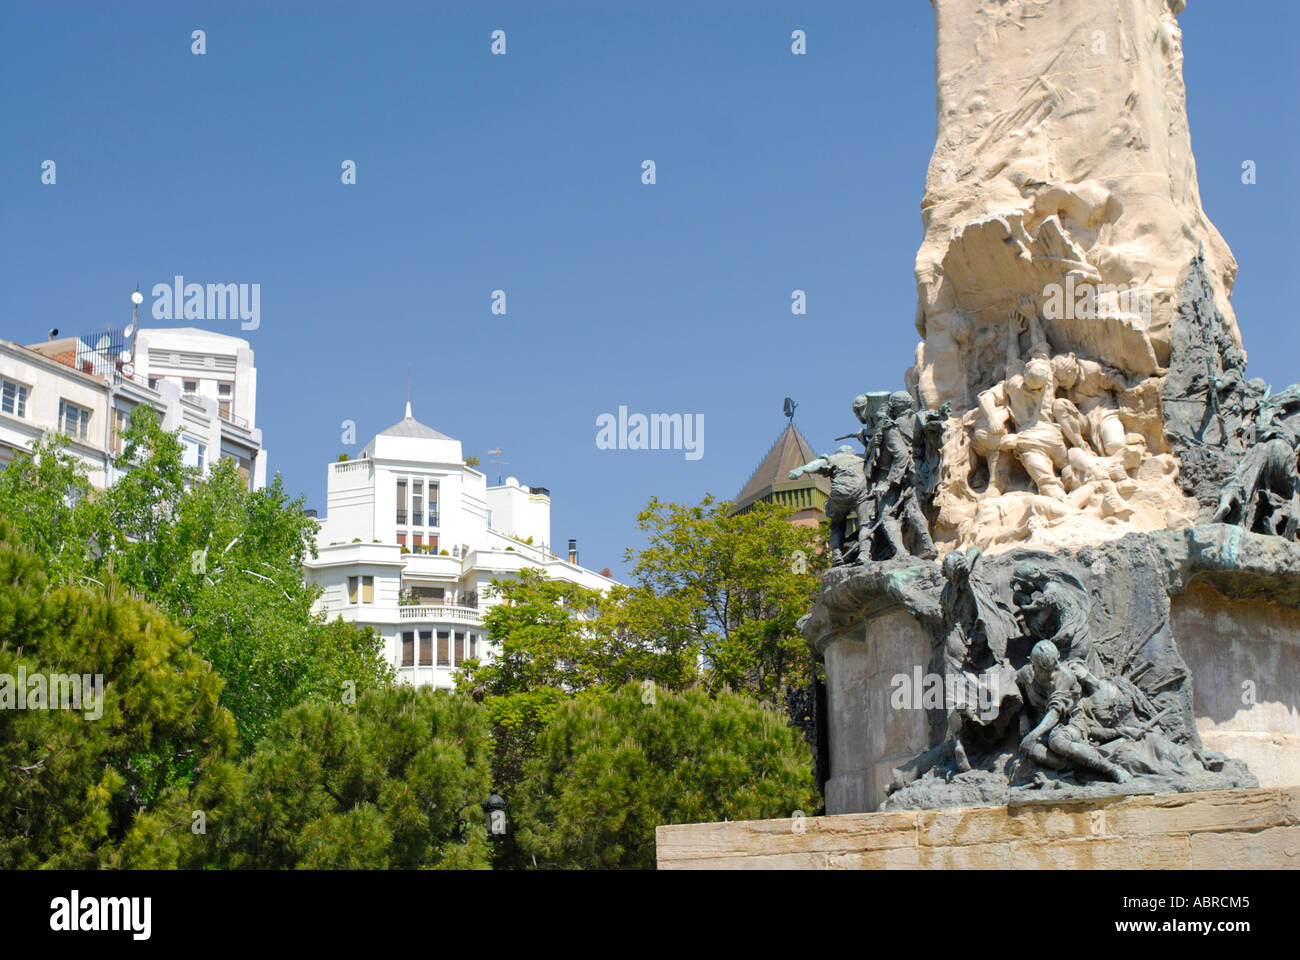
(225, 561)
(72, 781)
(613, 765)
(397, 782)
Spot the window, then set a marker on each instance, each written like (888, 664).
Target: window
(433, 543)
(460, 648)
(223, 399)
(426, 648)
(416, 540)
(401, 501)
(13, 398)
(153, 383)
(417, 503)
(408, 648)
(120, 419)
(225, 390)
(443, 659)
(428, 594)
(74, 420)
(367, 589)
(473, 646)
(352, 589)
(401, 539)
(191, 386)
(433, 505)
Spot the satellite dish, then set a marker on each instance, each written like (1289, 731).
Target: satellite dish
(788, 407)
(54, 332)
(103, 343)
(137, 298)
(128, 369)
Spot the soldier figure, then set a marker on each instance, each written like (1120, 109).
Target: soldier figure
(895, 481)
(849, 496)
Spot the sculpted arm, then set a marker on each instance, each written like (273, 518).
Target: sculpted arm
(820, 465)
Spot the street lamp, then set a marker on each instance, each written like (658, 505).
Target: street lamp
(494, 807)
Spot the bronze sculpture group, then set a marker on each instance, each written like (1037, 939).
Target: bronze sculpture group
(880, 490)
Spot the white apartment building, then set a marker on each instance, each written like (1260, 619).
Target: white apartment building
(203, 384)
(413, 538)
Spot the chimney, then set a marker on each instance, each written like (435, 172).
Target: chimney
(573, 551)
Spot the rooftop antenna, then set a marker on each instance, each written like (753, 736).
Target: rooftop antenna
(500, 463)
(128, 335)
(789, 407)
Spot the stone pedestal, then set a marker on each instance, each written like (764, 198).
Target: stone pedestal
(1223, 830)
(867, 738)
(1245, 661)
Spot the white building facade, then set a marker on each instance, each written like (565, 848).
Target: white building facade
(203, 384)
(413, 538)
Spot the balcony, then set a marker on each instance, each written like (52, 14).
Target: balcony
(441, 612)
(233, 420)
(430, 566)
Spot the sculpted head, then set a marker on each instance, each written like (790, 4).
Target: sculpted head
(955, 566)
(900, 402)
(1109, 703)
(1038, 372)
(1065, 368)
(1044, 657)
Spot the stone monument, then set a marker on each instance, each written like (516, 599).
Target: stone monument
(1065, 558)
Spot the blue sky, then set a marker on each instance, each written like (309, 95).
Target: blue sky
(523, 173)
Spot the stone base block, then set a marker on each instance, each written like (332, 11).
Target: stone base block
(1228, 829)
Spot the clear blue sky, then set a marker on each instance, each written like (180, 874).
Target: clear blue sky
(522, 173)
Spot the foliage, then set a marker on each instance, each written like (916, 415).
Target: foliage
(545, 650)
(78, 790)
(728, 588)
(714, 589)
(225, 561)
(398, 782)
(613, 765)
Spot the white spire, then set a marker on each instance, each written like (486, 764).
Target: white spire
(408, 410)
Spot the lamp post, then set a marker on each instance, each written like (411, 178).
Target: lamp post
(494, 807)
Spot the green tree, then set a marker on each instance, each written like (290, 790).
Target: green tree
(613, 765)
(83, 788)
(224, 561)
(397, 782)
(546, 648)
(727, 587)
(45, 494)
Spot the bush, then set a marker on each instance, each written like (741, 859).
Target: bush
(609, 768)
(80, 791)
(397, 782)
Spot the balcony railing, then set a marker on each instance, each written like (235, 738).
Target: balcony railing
(440, 611)
(349, 466)
(231, 418)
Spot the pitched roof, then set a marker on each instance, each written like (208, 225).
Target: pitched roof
(790, 450)
(410, 427)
